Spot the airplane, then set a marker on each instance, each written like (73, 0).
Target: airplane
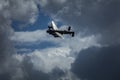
(53, 30)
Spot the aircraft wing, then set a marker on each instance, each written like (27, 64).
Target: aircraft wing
(54, 26)
(60, 35)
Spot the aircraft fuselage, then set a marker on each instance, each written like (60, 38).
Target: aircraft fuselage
(61, 32)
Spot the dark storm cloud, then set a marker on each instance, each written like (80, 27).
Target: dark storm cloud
(5, 76)
(6, 52)
(98, 63)
(90, 17)
(10, 68)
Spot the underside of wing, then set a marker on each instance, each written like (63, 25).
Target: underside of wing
(54, 25)
(60, 35)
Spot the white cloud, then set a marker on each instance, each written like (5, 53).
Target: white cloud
(61, 56)
(23, 10)
(48, 59)
(75, 43)
(33, 36)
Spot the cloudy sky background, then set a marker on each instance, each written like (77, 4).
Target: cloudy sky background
(27, 52)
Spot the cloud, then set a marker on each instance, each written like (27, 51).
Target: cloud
(53, 57)
(40, 36)
(59, 56)
(98, 63)
(45, 63)
(15, 66)
(18, 10)
(37, 64)
(11, 68)
(89, 17)
(29, 72)
(32, 70)
(29, 36)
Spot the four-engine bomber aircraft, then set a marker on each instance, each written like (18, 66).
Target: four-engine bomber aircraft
(53, 30)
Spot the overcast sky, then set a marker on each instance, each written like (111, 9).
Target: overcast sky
(27, 52)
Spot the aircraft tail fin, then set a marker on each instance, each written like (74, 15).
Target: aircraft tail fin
(73, 34)
(69, 28)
